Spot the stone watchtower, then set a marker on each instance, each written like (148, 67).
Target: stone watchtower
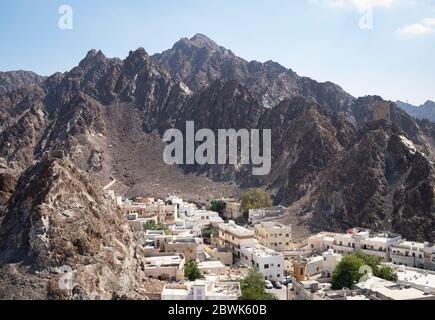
(381, 111)
(299, 269)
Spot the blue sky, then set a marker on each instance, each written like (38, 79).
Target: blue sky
(321, 39)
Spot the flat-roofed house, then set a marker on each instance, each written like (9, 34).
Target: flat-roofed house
(273, 235)
(268, 262)
(165, 267)
(202, 290)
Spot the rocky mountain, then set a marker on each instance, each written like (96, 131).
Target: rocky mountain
(382, 181)
(337, 161)
(425, 111)
(61, 239)
(13, 80)
(199, 61)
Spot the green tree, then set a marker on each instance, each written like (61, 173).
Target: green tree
(191, 271)
(347, 272)
(253, 287)
(218, 206)
(254, 199)
(150, 225)
(209, 232)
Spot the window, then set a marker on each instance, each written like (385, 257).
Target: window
(279, 266)
(278, 275)
(266, 266)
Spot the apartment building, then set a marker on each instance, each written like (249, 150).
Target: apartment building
(379, 245)
(408, 253)
(273, 235)
(268, 262)
(236, 237)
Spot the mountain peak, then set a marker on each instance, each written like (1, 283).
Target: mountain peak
(91, 56)
(202, 41)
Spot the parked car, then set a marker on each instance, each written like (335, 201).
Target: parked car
(286, 281)
(268, 284)
(276, 285)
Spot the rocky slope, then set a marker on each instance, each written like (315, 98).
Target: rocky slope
(57, 221)
(12, 80)
(381, 181)
(425, 111)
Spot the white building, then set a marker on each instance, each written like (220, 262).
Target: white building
(380, 289)
(379, 246)
(322, 241)
(202, 290)
(423, 280)
(408, 253)
(268, 262)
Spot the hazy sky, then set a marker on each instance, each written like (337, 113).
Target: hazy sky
(392, 55)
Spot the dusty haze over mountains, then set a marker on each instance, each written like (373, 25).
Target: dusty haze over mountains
(338, 161)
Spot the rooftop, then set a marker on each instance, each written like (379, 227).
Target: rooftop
(163, 261)
(215, 288)
(409, 245)
(236, 229)
(421, 278)
(262, 251)
(391, 290)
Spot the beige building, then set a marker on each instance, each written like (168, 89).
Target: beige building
(236, 237)
(225, 255)
(186, 245)
(232, 210)
(212, 268)
(168, 214)
(165, 267)
(274, 235)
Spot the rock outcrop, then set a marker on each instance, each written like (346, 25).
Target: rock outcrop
(61, 239)
(12, 80)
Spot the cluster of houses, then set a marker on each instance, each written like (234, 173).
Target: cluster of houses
(413, 262)
(173, 233)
